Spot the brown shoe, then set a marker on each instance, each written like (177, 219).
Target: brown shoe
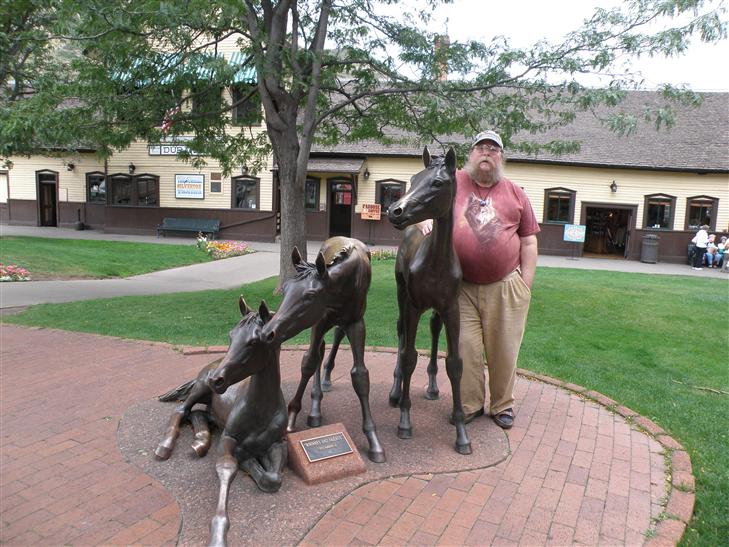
(468, 418)
(504, 419)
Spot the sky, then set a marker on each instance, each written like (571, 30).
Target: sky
(703, 68)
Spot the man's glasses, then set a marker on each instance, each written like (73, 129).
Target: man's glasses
(487, 148)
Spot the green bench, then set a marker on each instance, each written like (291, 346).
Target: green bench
(204, 226)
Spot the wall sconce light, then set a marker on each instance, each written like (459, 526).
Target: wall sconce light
(613, 187)
(366, 173)
(70, 166)
(244, 170)
(132, 168)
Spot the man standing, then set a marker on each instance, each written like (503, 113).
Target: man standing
(494, 235)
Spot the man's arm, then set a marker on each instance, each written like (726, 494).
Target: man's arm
(528, 257)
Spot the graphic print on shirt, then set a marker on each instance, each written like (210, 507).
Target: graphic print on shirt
(481, 217)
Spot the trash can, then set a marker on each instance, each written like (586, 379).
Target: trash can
(649, 249)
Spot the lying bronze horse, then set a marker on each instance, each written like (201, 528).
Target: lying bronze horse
(428, 275)
(243, 395)
(331, 292)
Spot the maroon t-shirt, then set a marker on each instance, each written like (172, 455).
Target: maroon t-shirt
(488, 223)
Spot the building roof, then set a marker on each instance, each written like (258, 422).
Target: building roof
(699, 140)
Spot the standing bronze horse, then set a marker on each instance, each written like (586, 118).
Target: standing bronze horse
(243, 395)
(331, 292)
(428, 275)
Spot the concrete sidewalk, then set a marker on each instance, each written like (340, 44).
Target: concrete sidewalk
(233, 272)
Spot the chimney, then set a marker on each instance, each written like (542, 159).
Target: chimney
(442, 42)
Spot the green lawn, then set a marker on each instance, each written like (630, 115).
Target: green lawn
(649, 342)
(59, 258)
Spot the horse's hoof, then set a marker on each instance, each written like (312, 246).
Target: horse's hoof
(376, 457)
(163, 452)
(313, 421)
(432, 395)
(464, 449)
(200, 448)
(269, 482)
(404, 433)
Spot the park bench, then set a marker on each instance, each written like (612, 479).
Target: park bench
(196, 225)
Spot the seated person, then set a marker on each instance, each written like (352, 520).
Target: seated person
(721, 249)
(711, 256)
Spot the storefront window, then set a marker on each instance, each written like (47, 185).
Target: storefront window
(311, 194)
(245, 193)
(121, 189)
(96, 185)
(388, 192)
(559, 205)
(700, 210)
(147, 193)
(140, 191)
(659, 212)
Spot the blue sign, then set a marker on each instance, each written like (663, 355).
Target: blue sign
(574, 233)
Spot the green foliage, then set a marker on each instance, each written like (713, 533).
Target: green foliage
(59, 258)
(648, 342)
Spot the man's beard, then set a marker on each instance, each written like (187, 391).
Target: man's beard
(489, 178)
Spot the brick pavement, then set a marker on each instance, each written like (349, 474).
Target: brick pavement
(579, 473)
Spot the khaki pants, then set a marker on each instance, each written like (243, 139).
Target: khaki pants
(493, 318)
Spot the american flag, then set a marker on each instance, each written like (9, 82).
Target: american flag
(167, 122)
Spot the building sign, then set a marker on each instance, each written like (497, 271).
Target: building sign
(190, 186)
(574, 233)
(371, 211)
(169, 147)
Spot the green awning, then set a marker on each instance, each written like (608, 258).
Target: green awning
(170, 66)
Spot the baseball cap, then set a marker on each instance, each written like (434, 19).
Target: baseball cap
(487, 135)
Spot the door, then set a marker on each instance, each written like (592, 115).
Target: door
(47, 199)
(608, 230)
(340, 209)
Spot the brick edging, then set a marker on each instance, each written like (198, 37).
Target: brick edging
(679, 508)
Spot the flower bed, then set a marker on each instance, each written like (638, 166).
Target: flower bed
(12, 272)
(223, 248)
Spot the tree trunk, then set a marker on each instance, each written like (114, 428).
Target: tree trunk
(293, 214)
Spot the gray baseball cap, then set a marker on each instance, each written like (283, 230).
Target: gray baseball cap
(487, 136)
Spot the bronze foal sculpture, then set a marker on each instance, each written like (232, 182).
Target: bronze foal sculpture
(428, 276)
(243, 395)
(331, 292)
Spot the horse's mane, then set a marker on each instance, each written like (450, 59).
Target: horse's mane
(306, 269)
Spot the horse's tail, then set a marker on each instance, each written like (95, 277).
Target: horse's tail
(179, 393)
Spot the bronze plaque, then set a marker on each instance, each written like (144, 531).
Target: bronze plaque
(326, 446)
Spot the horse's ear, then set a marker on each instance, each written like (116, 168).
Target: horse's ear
(450, 159)
(296, 256)
(264, 312)
(321, 266)
(426, 156)
(244, 309)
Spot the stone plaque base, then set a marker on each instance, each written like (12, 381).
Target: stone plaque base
(325, 470)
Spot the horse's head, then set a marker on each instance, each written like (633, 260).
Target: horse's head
(431, 192)
(246, 354)
(304, 300)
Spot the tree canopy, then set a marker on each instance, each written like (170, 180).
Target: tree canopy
(105, 73)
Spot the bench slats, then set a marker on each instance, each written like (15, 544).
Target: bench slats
(203, 225)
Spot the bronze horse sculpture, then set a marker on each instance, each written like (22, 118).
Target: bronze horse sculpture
(330, 292)
(428, 275)
(243, 395)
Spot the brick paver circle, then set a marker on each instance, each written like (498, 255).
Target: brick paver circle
(582, 469)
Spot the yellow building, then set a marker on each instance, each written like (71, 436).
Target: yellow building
(621, 188)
